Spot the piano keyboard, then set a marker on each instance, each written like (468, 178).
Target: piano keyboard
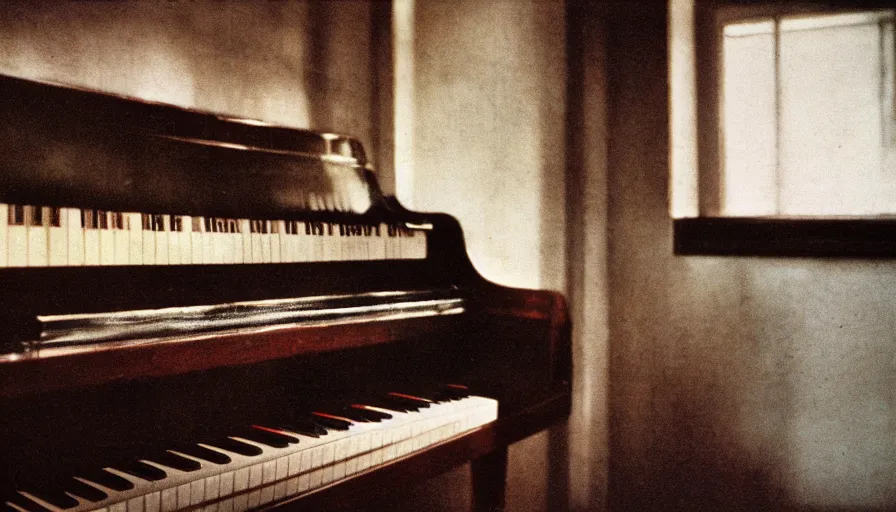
(43, 236)
(266, 463)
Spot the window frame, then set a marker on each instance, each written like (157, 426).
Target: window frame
(709, 233)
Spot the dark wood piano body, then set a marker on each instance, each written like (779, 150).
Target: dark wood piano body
(98, 403)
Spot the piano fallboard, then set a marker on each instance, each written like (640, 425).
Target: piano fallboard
(313, 295)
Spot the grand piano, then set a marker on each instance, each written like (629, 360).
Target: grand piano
(208, 313)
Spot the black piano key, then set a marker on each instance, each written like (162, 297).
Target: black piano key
(391, 405)
(331, 422)
(54, 497)
(201, 452)
(418, 402)
(172, 460)
(25, 503)
(303, 425)
(349, 414)
(265, 437)
(106, 479)
(456, 390)
(142, 470)
(291, 439)
(232, 445)
(395, 403)
(82, 490)
(373, 415)
(363, 415)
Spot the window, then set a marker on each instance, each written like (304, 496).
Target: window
(796, 116)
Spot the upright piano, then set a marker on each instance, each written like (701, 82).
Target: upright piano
(201, 312)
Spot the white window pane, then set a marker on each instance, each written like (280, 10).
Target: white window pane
(748, 111)
(830, 147)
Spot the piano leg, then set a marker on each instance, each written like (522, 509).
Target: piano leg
(489, 477)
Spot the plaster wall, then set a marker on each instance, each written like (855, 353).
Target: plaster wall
(298, 64)
(488, 119)
(736, 383)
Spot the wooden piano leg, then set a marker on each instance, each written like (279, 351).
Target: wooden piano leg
(489, 477)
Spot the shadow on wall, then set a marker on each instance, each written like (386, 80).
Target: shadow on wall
(296, 63)
(736, 383)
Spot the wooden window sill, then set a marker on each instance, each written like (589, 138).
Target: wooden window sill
(839, 237)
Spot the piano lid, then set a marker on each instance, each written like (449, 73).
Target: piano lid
(68, 146)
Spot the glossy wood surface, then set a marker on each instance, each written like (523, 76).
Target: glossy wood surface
(71, 408)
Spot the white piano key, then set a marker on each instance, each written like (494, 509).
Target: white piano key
(240, 503)
(246, 236)
(107, 238)
(255, 475)
(122, 238)
(217, 243)
(268, 472)
(360, 243)
(153, 502)
(197, 491)
(197, 240)
(288, 240)
(378, 242)
(315, 479)
(280, 490)
(276, 230)
(254, 500)
(282, 468)
(265, 241)
(162, 227)
(208, 241)
(225, 506)
(149, 239)
(135, 238)
(175, 226)
(226, 484)
(294, 241)
(292, 486)
(90, 223)
(119, 507)
(255, 241)
(304, 481)
(57, 237)
(186, 240)
(169, 499)
(236, 241)
(212, 487)
(135, 504)
(240, 480)
(266, 495)
(35, 217)
(227, 241)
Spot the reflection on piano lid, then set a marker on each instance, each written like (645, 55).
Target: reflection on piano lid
(82, 331)
(63, 146)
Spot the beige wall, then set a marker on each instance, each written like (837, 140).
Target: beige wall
(488, 132)
(735, 382)
(294, 63)
(488, 128)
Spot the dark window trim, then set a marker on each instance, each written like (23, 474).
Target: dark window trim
(764, 236)
(845, 237)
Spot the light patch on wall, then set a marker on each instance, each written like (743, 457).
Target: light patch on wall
(683, 198)
(403, 94)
